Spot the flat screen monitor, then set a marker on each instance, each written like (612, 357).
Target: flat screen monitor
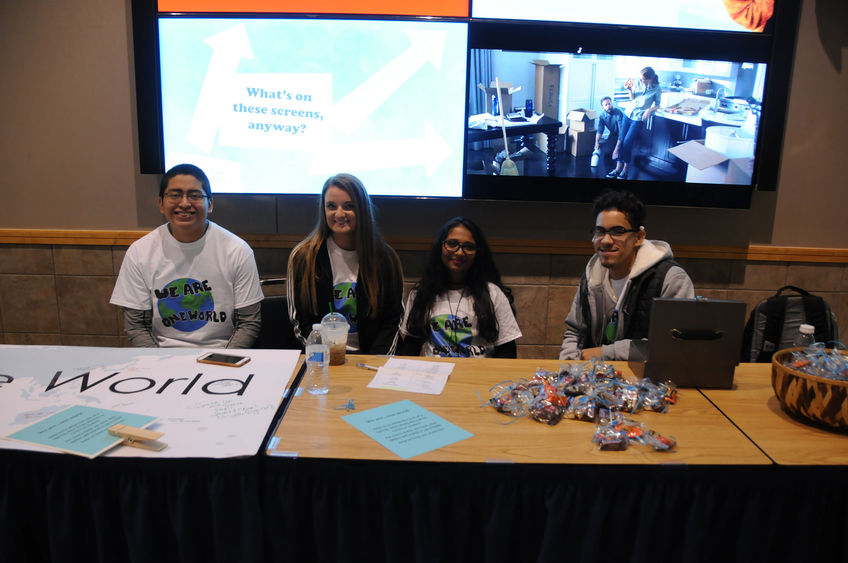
(702, 135)
(273, 102)
(713, 15)
(276, 105)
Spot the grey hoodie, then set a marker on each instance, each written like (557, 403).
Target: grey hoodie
(676, 285)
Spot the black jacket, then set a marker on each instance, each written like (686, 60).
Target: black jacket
(376, 333)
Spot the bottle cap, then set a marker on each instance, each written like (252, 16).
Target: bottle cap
(807, 329)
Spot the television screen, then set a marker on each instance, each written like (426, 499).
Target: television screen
(714, 15)
(271, 105)
(703, 129)
(455, 8)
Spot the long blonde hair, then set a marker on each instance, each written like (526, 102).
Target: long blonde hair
(370, 248)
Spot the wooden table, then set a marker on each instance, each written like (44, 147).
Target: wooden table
(547, 125)
(752, 405)
(531, 492)
(313, 427)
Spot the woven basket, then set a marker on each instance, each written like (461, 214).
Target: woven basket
(821, 400)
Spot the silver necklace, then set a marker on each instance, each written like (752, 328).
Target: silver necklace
(455, 315)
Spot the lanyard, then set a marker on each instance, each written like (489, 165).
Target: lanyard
(611, 328)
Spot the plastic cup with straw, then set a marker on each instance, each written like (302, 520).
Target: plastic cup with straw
(508, 167)
(335, 327)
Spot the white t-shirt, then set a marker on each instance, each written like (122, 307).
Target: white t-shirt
(453, 327)
(345, 266)
(192, 288)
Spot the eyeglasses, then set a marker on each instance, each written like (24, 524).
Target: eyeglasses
(178, 196)
(615, 232)
(454, 245)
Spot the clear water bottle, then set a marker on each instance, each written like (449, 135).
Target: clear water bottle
(317, 362)
(596, 158)
(805, 337)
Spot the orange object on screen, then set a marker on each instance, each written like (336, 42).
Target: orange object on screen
(447, 8)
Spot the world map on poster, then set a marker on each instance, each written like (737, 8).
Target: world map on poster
(204, 410)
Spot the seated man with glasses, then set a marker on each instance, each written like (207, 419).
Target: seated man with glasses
(189, 282)
(611, 311)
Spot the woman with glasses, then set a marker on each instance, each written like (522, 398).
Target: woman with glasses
(344, 265)
(460, 307)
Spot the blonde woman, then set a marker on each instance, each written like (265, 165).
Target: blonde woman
(345, 264)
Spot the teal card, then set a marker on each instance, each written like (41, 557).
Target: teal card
(406, 429)
(80, 430)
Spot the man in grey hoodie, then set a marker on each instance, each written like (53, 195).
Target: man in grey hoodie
(611, 311)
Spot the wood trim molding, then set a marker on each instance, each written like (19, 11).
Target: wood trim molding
(752, 252)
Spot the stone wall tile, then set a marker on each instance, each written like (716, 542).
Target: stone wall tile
(560, 298)
(839, 306)
(758, 275)
(706, 274)
(751, 298)
(524, 268)
(529, 352)
(83, 260)
(815, 277)
(33, 339)
(412, 262)
(29, 304)
(531, 306)
(118, 253)
(84, 305)
(26, 259)
(568, 269)
(271, 262)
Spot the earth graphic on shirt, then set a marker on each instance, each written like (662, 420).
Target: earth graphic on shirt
(344, 302)
(451, 335)
(186, 304)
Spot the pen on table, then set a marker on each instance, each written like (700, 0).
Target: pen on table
(366, 366)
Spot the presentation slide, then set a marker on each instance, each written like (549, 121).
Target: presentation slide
(716, 15)
(278, 105)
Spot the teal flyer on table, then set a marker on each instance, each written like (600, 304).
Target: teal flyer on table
(406, 429)
(80, 430)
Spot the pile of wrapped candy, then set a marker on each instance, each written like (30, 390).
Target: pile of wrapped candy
(617, 432)
(819, 361)
(593, 392)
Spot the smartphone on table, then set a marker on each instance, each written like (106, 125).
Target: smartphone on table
(220, 359)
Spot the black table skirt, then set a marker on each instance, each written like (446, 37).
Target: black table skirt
(362, 511)
(67, 508)
(64, 508)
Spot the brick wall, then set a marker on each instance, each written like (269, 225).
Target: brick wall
(59, 294)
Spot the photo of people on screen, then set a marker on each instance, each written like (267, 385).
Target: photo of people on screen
(617, 117)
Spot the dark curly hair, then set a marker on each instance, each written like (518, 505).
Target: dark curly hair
(436, 280)
(622, 201)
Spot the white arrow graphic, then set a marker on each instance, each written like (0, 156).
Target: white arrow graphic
(228, 48)
(429, 151)
(356, 107)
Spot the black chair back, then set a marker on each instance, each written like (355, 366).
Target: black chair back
(276, 332)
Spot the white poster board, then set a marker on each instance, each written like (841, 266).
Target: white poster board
(204, 410)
